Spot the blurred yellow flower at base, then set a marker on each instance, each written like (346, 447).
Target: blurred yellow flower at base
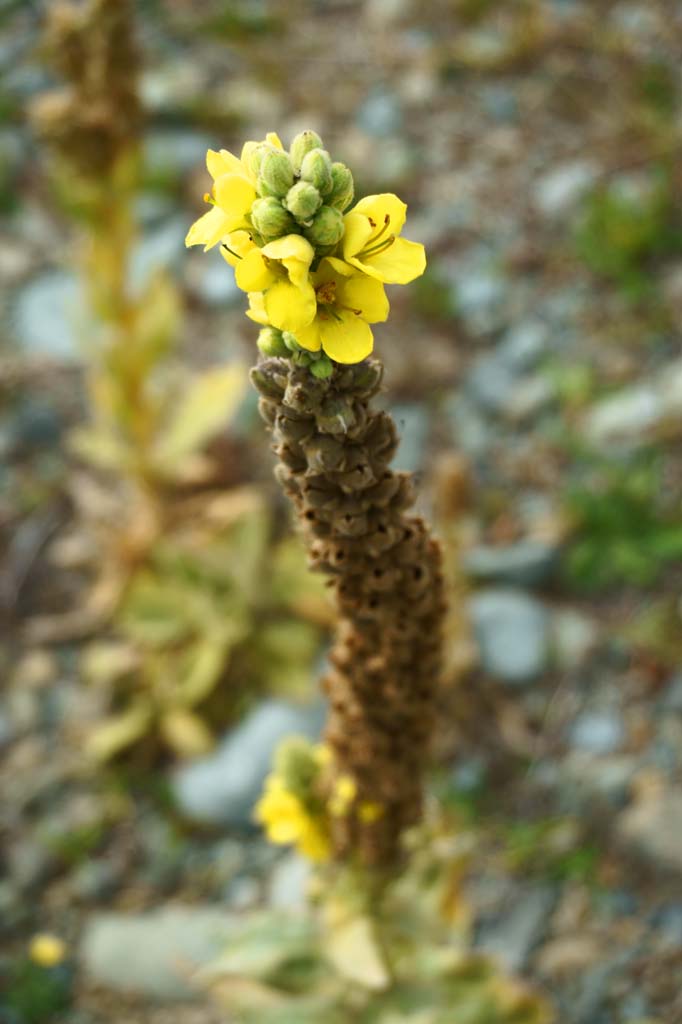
(286, 820)
(47, 950)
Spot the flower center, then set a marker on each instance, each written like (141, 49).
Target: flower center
(378, 243)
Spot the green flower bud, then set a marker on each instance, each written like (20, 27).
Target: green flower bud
(270, 219)
(317, 169)
(341, 195)
(301, 145)
(276, 173)
(303, 200)
(270, 342)
(323, 368)
(290, 342)
(326, 228)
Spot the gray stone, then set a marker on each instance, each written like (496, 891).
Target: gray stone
(154, 954)
(654, 826)
(524, 564)
(289, 882)
(513, 936)
(512, 631)
(161, 248)
(471, 430)
(6, 731)
(380, 115)
(45, 316)
(559, 190)
(96, 880)
(491, 383)
(524, 345)
(222, 788)
(672, 699)
(170, 153)
(574, 636)
(413, 426)
(628, 415)
(598, 732)
(212, 280)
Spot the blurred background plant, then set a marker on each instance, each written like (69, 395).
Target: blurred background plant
(176, 548)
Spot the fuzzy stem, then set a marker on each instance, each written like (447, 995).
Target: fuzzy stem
(385, 569)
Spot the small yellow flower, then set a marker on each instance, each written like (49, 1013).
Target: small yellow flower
(280, 272)
(232, 195)
(371, 241)
(47, 950)
(345, 791)
(347, 303)
(286, 820)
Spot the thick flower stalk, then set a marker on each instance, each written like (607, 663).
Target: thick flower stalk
(315, 272)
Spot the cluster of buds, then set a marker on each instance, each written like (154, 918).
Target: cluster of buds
(313, 265)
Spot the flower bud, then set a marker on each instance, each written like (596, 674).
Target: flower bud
(326, 228)
(276, 173)
(303, 200)
(317, 169)
(341, 195)
(290, 342)
(322, 368)
(270, 219)
(302, 144)
(270, 342)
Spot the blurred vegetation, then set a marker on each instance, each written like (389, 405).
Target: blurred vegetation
(625, 230)
(622, 532)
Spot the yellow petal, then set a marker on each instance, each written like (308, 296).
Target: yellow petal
(367, 295)
(236, 245)
(252, 273)
(356, 233)
(379, 207)
(348, 339)
(256, 310)
(289, 308)
(222, 163)
(309, 337)
(234, 195)
(274, 140)
(288, 247)
(209, 229)
(399, 264)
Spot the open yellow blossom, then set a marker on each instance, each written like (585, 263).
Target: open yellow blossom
(286, 820)
(280, 272)
(347, 302)
(371, 241)
(344, 793)
(232, 195)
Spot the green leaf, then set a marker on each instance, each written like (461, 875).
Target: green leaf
(350, 945)
(120, 731)
(185, 732)
(207, 405)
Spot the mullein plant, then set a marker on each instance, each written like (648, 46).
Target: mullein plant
(314, 263)
(172, 553)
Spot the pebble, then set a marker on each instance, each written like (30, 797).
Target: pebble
(524, 564)
(155, 953)
(598, 732)
(161, 248)
(44, 316)
(222, 788)
(574, 637)
(634, 413)
(517, 931)
(491, 383)
(654, 825)
(380, 115)
(289, 882)
(559, 190)
(512, 631)
(412, 421)
(212, 280)
(170, 153)
(523, 345)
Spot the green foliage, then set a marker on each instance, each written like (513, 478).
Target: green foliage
(551, 848)
(35, 994)
(196, 614)
(623, 233)
(283, 970)
(621, 532)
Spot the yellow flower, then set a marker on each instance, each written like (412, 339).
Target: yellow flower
(286, 820)
(280, 271)
(232, 195)
(371, 241)
(47, 950)
(344, 793)
(370, 811)
(347, 303)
